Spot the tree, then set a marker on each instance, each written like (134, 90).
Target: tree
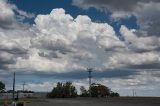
(2, 87)
(84, 92)
(114, 94)
(103, 90)
(94, 90)
(63, 90)
(98, 90)
(70, 90)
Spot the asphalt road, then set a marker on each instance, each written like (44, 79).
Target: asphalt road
(96, 102)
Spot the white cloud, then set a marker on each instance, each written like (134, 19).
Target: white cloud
(8, 17)
(6, 14)
(147, 17)
(145, 11)
(6, 10)
(68, 29)
(37, 63)
(139, 42)
(59, 43)
(127, 59)
(63, 43)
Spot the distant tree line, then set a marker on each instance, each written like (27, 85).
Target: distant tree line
(68, 90)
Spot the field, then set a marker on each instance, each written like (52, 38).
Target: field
(123, 101)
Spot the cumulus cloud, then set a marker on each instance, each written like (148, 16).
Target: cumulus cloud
(144, 10)
(66, 44)
(141, 51)
(143, 44)
(6, 14)
(14, 35)
(68, 30)
(132, 59)
(8, 17)
(122, 6)
(59, 43)
(139, 43)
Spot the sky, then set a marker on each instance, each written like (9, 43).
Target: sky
(50, 41)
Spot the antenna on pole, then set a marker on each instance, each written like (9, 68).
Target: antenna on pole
(89, 77)
(13, 86)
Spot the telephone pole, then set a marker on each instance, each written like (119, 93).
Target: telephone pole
(23, 85)
(89, 77)
(134, 92)
(13, 86)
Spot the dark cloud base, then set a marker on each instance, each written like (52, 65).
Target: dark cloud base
(77, 75)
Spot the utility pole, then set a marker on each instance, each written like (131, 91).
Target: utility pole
(13, 86)
(89, 77)
(23, 85)
(133, 92)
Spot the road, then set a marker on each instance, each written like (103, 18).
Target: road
(96, 102)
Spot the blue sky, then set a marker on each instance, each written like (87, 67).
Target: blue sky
(47, 41)
(45, 7)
